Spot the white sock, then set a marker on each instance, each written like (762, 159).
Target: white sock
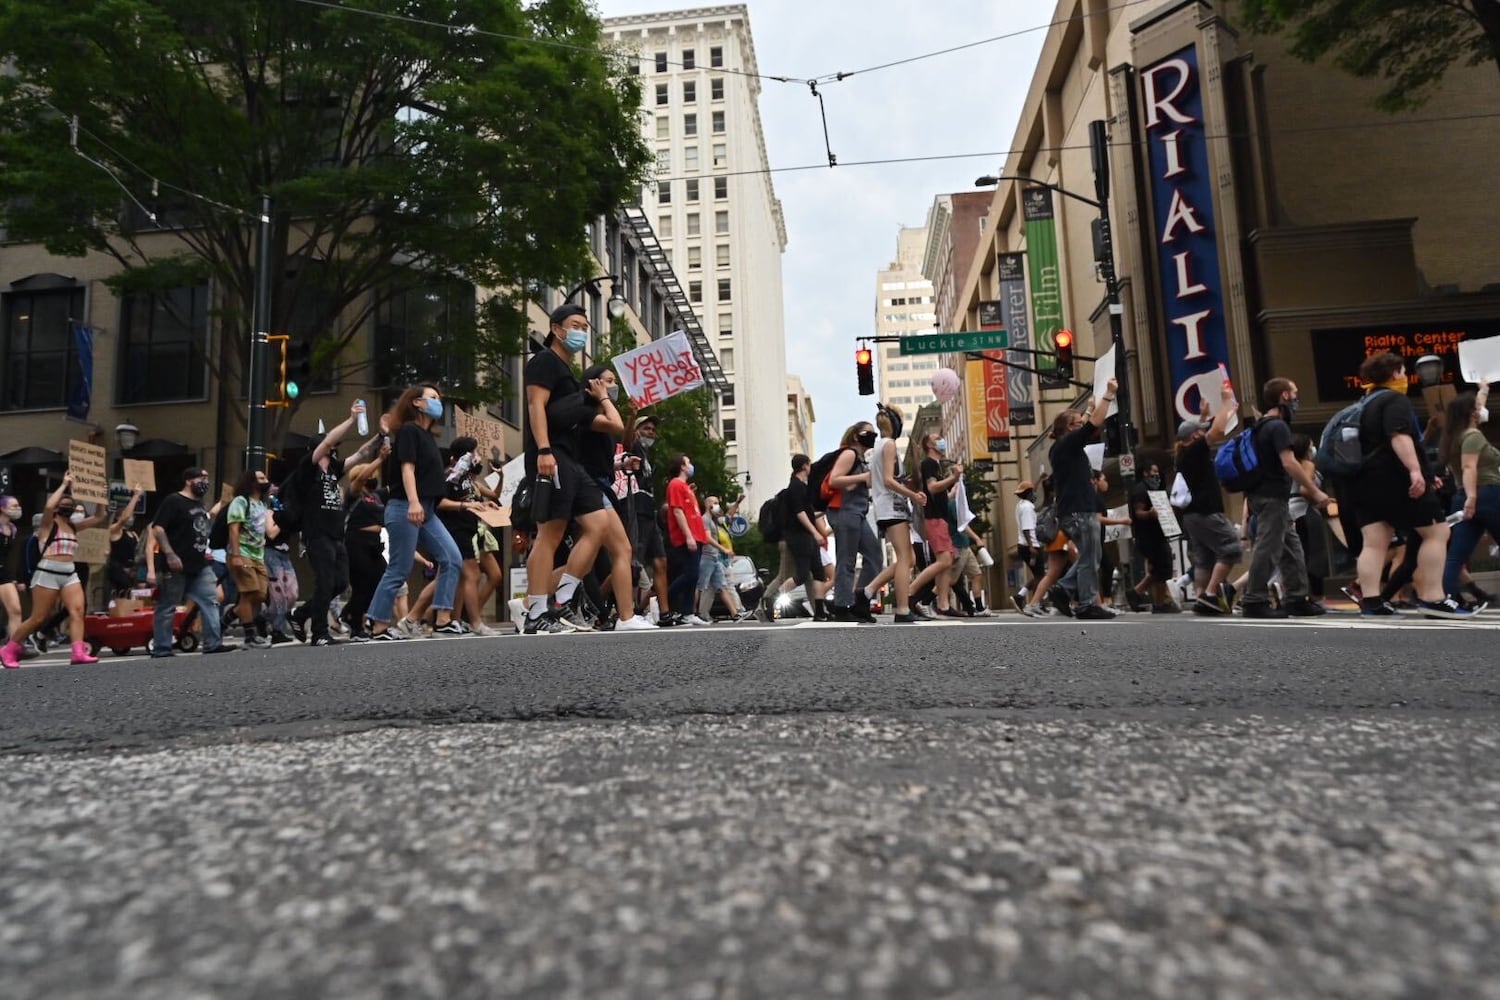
(566, 588)
(536, 605)
(869, 594)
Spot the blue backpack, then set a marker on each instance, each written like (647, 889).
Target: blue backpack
(1237, 462)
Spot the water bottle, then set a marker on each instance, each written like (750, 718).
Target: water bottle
(1454, 518)
(364, 421)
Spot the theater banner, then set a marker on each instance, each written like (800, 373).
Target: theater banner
(1014, 318)
(1183, 211)
(996, 378)
(1046, 280)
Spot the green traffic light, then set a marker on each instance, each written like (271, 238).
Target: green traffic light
(292, 392)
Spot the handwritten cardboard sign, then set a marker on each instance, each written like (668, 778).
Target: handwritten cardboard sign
(496, 517)
(93, 546)
(1165, 515)
(489, 433)
(90, 477)
(140, 475)
(659, 370)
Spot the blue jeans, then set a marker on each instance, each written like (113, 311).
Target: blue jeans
(853, 537)
(1466, 534)
(404, 537)
(202, 589)
(1083, 531)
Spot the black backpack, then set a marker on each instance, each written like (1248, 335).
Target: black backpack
(773, 518)
(294, 499)
(218, 535)
(1340, 453)
(816, 478)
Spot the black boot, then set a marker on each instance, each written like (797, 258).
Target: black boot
(861, 609)
(820, 611)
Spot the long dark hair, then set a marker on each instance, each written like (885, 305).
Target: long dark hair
(404, 412)
(1456, 422)
(247, 485)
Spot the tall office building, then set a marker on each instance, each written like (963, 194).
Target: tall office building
(716, 212)
(903, 307)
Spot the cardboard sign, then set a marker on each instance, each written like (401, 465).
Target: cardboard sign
(140, 475)
(659, 370)
(90, 478)
(1479, 360)
(513, 473)
(1165, 515)
(496, 518)
(489, 433)
(93, 546)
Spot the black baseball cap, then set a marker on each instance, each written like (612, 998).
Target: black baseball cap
(562, 313)
(188, 475)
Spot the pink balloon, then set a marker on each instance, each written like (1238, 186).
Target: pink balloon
(945, 384)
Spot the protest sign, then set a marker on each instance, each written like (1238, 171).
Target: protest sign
(659, 370)
(93, 546)
(1479, 360)
(1104, 370)
(496, 517)
(489, 433)
(90, 479)
(140, 475)
(1165, 515)
(511, 476)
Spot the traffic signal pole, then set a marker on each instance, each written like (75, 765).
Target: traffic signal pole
(1099, 151)
(260, 321)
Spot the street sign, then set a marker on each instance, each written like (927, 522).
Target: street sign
(964, 340)
(738, 527)
(1127, 464)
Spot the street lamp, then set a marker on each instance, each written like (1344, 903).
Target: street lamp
(1105, 254)
(126, 436)
(616, 306)
(1429, 370)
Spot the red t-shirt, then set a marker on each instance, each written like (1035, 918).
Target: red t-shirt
(680, 497)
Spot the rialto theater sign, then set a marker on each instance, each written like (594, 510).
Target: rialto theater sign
(1186, 243)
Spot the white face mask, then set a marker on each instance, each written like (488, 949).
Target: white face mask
(717, 509)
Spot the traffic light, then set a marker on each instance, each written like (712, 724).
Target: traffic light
(864, 361)
(1064, 345)
(298, 368)
(278, 346)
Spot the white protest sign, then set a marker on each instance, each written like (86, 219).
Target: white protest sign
(1209, 386)
(1165, 515)
(1115, 532)
(963, 516)
(1104, 370)
(511, 474)
(659, 370)
(1479, 360)
(1095, 453)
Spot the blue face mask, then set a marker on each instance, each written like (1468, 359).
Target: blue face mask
(433, 407)
(942, 446)
(689, 471)
(576, 340)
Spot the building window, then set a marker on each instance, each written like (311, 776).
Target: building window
(689, 59)
(718, 120)
(695, 291)
(721, 155)
(690, 158)
(693, 228)
(664, 192)
(721, 223)
(716, 56)
(721, 255)
(723, 289)
(39, 354)
(663, 162)
(726, 358)
(164, 346)
(663, 128)
(692, 189)
(716, 88)
(689, 125)
(728, 398)
(662, 95)
(695, 258)
(729, 430)
(721, 188)
(664, 226)
(689, 91)
(726, 324)
(661, 62)
(415, 334)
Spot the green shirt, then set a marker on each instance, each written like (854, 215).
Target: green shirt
(1473, 443)
(250, 515)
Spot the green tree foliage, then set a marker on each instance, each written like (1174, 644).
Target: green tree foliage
(1408, 44)
(399, 154)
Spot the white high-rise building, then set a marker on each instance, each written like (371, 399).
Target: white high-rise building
(904, 307)
(715, 211)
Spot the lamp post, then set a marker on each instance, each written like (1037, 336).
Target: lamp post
(616, 305)
(1435, 392)
(126, 436)
(1105, 258)
(260, 321)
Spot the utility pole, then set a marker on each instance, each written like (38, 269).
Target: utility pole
(260, 321)
(1099, 150)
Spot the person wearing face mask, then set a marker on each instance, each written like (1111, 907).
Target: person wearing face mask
(633, 486)
(10, 593)
(55, 579)
(180, 568)
(1149, 538)
(713, 566)
(564, 493)
(1476, 462)
(853, 538)
(686, 535)
(415, 473)
(363, 523)
(1269, 503)
(249, 520)
(124, 543)
(935, 518)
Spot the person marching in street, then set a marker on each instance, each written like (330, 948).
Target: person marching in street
(686, 535)
(802, 536)
(284, 585)
(1076, 499)
(249, 522)
(55, 579)
(849, 480)
(323, 515)
(1069, 581)
(1393, 491)
(1151, 541)
(1476, 463)
(894, 502)
(1213, 539)
(10, 591)
(713, 567)
(935, 519)
(124, 546)
(415, 476)
(459, 509)
(1269, 503)
(633, 488)
(181, 570)
(364, 521)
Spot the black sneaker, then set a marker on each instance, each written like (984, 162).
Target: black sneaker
(1135, 601)
(1305, 607)
(906, 619)
(1094, 613)
(548, 624)
(391, 634)
(1446, 608)
(1207, 606)
(1060, 600)
(1262, 611)
(280, 638)
(844, 614)
(1226, 597)
(221, 648)
(1374, 607)
(299, 628)
(453, 627)
(324, 640)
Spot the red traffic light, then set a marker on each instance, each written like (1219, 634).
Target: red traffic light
(865, 369)
(862, 356)
(1064, 339)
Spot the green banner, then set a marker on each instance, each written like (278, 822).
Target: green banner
(1046, 280)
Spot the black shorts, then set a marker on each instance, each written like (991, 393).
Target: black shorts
(1158, 556)
(576, 493)
(1383, 503)
(649, 545)
(886, 525)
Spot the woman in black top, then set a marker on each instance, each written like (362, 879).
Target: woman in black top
(415, 473)
(362, 526)
(459, 509)
(124, 540)
(639, 511)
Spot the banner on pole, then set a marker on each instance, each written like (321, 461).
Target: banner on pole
(659, 370)
(1015, 319)
(996, 388)
(974, 385)
(1046, 280)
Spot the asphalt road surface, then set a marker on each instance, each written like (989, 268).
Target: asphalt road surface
(1156, 807)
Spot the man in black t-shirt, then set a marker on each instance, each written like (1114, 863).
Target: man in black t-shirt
(1276, 543)
(1213, 539)
(935, 518)
(181, 529)
(1151, 541)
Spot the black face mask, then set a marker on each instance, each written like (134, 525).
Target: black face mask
(199, 488)
(65, 512)
(867, 439)
(372, 484)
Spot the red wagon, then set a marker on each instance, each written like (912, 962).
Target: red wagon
(121, 633)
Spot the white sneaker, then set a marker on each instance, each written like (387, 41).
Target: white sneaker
(409, 628)
(695, 620)
(635, 623)
(517, 610)
(484, 630)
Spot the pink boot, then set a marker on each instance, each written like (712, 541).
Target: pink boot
(10, 655)
(81, 654)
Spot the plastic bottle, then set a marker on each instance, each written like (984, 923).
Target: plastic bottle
(364, 421)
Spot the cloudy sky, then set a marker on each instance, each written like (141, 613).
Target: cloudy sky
(842, 223)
